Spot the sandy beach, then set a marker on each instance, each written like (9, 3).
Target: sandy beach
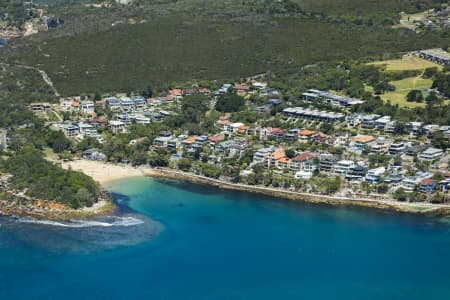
(105, 173)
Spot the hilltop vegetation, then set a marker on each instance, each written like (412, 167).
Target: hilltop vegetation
(43, 180)
(159, 42)
(31, 172)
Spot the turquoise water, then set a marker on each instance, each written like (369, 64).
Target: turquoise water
(212, 244)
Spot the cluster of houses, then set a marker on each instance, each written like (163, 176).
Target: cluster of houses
(233, 139)
(306, 163)
(435, 20)
(236, 137)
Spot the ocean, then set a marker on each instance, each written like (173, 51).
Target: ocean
(177, 240)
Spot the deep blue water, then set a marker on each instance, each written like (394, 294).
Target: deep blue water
(212, 244)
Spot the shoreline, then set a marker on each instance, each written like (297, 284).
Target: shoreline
(107, 173)
(51, 210)
(388, 205)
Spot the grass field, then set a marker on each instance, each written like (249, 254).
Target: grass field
(408, 62)
(403, 87)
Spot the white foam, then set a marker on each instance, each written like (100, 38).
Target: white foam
(116, 221)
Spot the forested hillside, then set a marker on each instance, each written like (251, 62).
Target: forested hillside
(124, 48)
(43, 180)
(28, 137)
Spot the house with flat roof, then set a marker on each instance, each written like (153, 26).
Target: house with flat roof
(343, 166)
(312, 114)
(112, 103)
(162, 141)
(94, 154)
(374, 175)
(410, 183)
(70, 130)
(368, 121)
(87, 107)
(262, 154)
(40, 106)
(126, 104)
(117, 126)
(327, 162)
(396, 148)
(431, 154)
(330, 98)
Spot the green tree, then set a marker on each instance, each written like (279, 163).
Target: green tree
(184, 164)
(400, 195)
(414, 96)
(230, 102)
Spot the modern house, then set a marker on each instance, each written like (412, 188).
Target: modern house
(356, 173)
(368, 121)
(261, 155)
(364, 141)
(396, 148)
(87, 107)
(327, 162)
(427, 186)
(304, 162)
(139, 102)
(329, 98)
(94, 154)
(431, 154)
(40, 106)
(112, 103)
(126, 104)
(374, 175)
(343, 166)
(410, 183)
(70, 130)
(162, 141)
(315, 115)
(117, 126)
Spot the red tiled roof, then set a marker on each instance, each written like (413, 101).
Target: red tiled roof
(216, 138)
(278, 154)
(224, 122)
(243, 87)
(277, 131)
(304, 156)
(176, 92)
(364, 139)
(306, 132)
(190, 139)
(427, 181)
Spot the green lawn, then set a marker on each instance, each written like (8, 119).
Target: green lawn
(403, 87)
(409, 62)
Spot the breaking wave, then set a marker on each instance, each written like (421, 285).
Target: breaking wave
(106, 222)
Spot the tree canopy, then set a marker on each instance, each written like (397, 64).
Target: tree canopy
(230, 102)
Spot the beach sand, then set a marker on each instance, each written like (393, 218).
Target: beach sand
(105, 173)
